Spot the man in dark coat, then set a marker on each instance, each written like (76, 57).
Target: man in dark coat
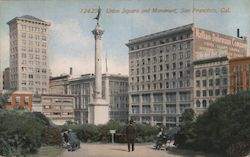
(131, 134)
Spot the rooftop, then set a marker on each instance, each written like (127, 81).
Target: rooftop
(29, 18)
(162, 33)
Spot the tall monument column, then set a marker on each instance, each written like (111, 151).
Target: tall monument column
(98, 109)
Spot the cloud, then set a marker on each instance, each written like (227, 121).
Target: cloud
(70, 47)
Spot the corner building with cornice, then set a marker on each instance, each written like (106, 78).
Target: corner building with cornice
(161, 71)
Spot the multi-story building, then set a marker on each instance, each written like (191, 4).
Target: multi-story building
(20, 100)
(161, 70)
(116, 94)
(1, 77)
(29, 69)
(239, 75)
(6, 78)
(210, 81)
(59, 108)
(59, 84)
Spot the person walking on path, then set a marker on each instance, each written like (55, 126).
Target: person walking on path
(131, 135)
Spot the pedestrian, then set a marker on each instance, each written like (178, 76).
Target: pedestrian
(131, 135)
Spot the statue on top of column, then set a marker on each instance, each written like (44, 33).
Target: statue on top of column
(98, 15)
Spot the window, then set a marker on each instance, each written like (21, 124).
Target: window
(211, 92)
(188, 54)
(160, 67)
(204, 103)
(181, 64)
(198, 103)
(23, 35)
(26, 100)
(217, 71)
(167, 85)
(167, 66)
(197, 83)
(180, 55)
(174, 56)
(224, 81)
(198, 93)
(217, 82)
(204, 83)
(211, 82)
(210, 72)
(204, 72)
(180, 74)
(18, 100)
(167, 76)
(217, 92)
(224, 70)
(181, 84)
(197, 73)
(224, 92)
(204, 93)
(173, 75)
(174, 66)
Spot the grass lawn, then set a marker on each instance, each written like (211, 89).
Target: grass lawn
(49, 151)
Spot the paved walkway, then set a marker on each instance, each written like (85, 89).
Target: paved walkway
(120, 150)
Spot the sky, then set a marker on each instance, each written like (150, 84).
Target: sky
(71, 42)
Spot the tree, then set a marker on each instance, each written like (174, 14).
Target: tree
(4, 98)
(224, 127)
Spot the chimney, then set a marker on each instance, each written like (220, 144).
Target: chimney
(238, 32)
(70, 71)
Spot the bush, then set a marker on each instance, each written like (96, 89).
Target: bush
(51, 136)
(20, 133)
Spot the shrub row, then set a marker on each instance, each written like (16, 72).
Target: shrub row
(100, 133)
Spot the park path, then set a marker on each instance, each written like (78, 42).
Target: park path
(120, 150)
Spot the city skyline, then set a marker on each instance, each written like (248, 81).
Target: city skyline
(71, 43)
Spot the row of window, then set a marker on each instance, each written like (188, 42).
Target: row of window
(159, 68)
(33, 29)
(161, 41)
(35, 43)
(211, 72)
(211, 92)
(31, 83)
(158, 86)
(212, 82)
(31, 56)
(203, 103)
(160, 58)
(161, 76)
(25, 101)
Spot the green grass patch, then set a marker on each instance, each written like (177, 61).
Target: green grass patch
(49, 151)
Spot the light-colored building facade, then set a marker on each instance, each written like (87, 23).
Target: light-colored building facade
(6, 78)
(161, 70)
(117, 97)
(1, 76)
(29, 69)
(211, 81)
(58, 108)
(59, 84)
